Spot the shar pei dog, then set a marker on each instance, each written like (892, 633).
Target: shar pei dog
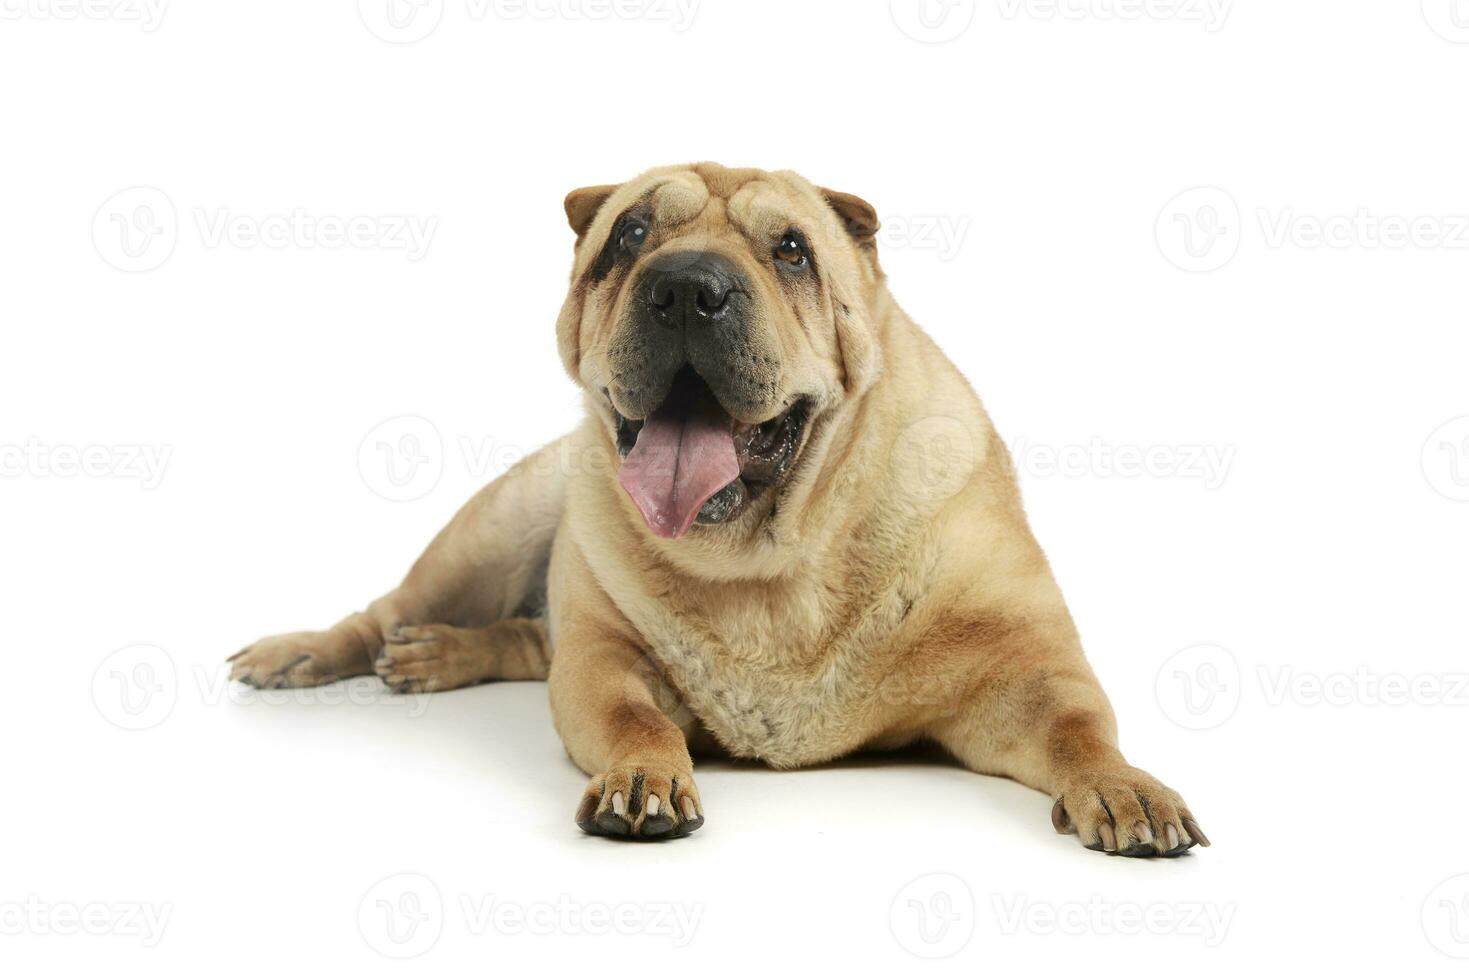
(786, 530)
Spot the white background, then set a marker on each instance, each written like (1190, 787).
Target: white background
(1252, 620)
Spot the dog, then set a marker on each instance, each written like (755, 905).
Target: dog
(786, 530)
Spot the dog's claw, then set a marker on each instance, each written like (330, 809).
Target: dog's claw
(640, 803)
(1059, 818)
(1125, 811)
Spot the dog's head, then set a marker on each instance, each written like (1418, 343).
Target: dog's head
(715, 316)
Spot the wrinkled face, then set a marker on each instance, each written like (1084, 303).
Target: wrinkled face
(716, 317)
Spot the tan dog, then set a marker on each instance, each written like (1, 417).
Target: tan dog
(786, 530)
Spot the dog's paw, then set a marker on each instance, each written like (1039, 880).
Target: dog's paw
(432, 658)
(641, 802)
(1126, 811)
(292, 660)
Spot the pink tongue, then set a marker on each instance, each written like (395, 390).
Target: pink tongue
(679, 462)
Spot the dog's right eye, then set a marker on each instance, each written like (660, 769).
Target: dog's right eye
(792, 250)
(634, 233)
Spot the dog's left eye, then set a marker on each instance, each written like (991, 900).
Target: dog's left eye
(634, 233)
(791, 250)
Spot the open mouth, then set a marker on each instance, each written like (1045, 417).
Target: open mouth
(691, 462)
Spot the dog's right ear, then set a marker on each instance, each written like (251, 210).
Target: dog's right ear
(583, 204)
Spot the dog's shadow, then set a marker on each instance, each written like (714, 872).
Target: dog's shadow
(922, 768)
(502, 733)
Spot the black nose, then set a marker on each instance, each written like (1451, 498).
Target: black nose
(687, 288)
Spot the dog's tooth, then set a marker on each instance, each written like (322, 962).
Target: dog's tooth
(619, 806)
(652, 805)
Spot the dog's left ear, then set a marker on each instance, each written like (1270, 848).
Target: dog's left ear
(856, 338)
(583, 204)
(857, 216)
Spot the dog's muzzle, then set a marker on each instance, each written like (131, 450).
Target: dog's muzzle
(704, 425)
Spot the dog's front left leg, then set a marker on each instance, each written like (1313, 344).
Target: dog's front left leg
(1035, 712)
(607, 698)
(603, 700)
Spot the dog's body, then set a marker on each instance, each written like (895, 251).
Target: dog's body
(812, 545)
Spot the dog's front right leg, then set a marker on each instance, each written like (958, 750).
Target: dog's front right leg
(603, 700)
(484, 568)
